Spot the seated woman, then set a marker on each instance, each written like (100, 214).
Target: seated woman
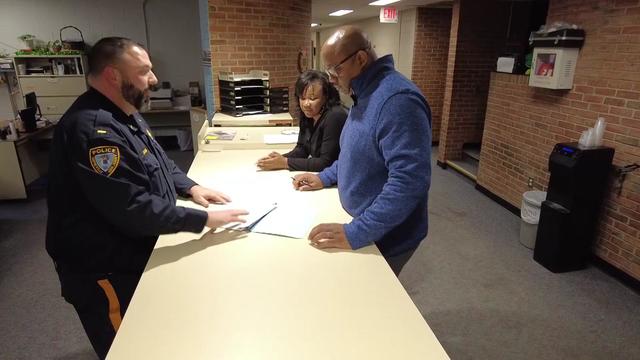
(321, 120)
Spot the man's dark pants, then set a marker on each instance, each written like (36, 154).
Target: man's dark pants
(101, 301)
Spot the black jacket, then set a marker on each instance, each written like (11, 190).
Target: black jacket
(318, 146)
(112, 190)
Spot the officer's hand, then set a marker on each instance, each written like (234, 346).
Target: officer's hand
(307, 181)
(329, 236)
(204, 196)
(221, 217)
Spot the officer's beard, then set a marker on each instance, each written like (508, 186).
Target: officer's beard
(133, 95)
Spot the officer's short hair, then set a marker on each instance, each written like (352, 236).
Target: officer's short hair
(107, 51)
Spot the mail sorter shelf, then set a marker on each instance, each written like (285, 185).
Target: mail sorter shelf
(243, 97)
(277, 100)
(243, 94)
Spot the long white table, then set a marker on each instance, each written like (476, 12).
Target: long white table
(236, 295)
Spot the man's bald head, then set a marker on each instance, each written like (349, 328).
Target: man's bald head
(346, 40)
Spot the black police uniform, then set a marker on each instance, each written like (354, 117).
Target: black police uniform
(112, 191)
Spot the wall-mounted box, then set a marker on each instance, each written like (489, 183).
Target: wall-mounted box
(553, 68)
(555, 56)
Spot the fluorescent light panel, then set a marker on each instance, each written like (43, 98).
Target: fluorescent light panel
(314, 24)
(383, 2)
(341, 12)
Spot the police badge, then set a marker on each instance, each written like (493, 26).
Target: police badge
(104, 159)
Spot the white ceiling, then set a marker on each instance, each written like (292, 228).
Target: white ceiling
(320, 10)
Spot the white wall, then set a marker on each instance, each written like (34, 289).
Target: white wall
(407, 36)
(174, 32)
(174, 41)
(396, 39)
(44, 18)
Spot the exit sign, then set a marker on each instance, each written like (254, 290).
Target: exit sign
(388, 15)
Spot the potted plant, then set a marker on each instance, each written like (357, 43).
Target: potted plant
(28, 39)
(55, 46)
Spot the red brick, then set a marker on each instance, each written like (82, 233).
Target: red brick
(631, 30)
(632, 95)
(245, 37)
(614, 101)
(583, 89)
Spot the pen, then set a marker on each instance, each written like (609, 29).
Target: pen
(300, 182)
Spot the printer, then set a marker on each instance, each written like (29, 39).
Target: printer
(160, 99)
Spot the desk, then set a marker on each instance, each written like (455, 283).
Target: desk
(170, 118)
(284, 119)
(247, 138)
(22, 162)
(171, 121)
(235, 295)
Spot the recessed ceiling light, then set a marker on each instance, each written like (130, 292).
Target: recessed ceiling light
(315, 24)
(383, 2)
(341, 12)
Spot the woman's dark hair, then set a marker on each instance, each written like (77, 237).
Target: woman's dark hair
(328, 90)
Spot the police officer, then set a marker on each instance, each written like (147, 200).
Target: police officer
(112, 191)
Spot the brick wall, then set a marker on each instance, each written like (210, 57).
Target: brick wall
(523, 123)
(259, 34)
(430, 59)
(478, 34)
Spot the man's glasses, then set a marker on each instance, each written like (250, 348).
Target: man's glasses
(333, 71)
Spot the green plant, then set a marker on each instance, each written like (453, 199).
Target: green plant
(54, 46)
(47, 52)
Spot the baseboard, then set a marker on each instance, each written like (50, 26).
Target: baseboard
(626, 279)
(507, 205)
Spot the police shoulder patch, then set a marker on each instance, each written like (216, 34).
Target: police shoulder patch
(104, 159)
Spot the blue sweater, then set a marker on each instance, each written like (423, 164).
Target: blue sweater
(384, 168)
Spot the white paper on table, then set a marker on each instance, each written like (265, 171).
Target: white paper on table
(286, 220)
(280, 139)
(256, 212)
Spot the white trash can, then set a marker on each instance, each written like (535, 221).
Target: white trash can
(529, 216)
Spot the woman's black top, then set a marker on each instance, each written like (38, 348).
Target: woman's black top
(318, 146)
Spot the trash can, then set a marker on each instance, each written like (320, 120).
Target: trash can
(530, 215)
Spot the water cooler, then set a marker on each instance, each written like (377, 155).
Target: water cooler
(569, 215)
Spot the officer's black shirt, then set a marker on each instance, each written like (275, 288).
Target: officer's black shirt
(112, 190)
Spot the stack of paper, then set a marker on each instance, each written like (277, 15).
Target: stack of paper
(220, 135)
(285, 220)
(280, 139)
(256, 213)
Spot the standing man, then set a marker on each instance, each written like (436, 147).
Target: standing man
(383, 171)
(112, 191)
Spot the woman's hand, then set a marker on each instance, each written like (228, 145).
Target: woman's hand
(273, 161)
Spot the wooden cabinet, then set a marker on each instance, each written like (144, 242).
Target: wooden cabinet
(57, 80)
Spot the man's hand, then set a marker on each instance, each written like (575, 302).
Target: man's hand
(222, 217)
(273, 161)
(204, 196)
(307, 181)
(329, 236)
